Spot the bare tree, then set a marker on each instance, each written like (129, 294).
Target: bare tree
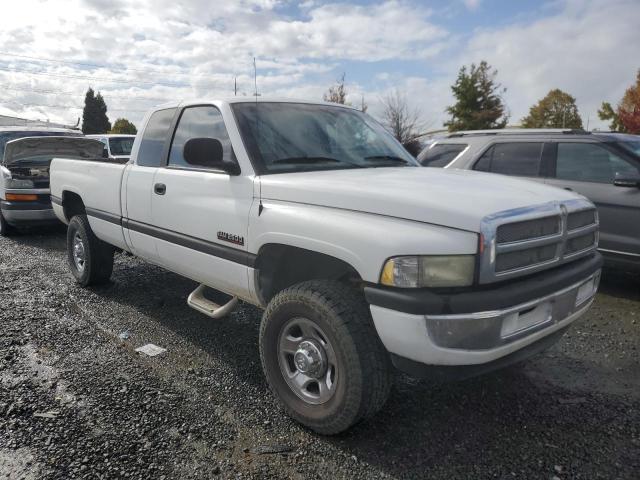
(337, 93)
(403, 121)
(363, 105)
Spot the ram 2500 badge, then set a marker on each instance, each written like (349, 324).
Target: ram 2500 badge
(361, 261)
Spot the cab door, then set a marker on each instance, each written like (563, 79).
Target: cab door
(201, 214)
(138, 184)
(590, 168)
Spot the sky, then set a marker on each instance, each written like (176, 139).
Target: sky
(141, 53)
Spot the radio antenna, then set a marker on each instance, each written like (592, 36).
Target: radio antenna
(255, 78)
(255, 93)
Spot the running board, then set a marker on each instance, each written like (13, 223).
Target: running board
(197, 301)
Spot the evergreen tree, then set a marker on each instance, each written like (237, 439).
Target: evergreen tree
(557, 110)
(478, 103)
(124, 126)
(94, 115)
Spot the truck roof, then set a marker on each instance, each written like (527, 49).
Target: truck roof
(260, 99)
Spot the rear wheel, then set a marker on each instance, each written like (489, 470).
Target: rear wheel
(90, 259)
(6, 230)
(322, 356)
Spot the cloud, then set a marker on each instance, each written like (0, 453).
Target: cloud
(472, 4)
(151, 51)
(588, 49)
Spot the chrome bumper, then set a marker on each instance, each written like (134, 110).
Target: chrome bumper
(20, 217)
(492, 329)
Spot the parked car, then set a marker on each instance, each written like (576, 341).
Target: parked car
(604, 167)
(315, 213)
(24, 179)
(116, 146)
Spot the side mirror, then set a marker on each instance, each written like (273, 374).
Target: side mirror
(627, 180)
(207, 153)
(105, 153)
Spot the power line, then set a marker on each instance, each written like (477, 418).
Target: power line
(97, 65)
(69, 107)
(81, 77)
(53, 92)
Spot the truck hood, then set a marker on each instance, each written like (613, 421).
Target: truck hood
(448, 197)
(34, 151)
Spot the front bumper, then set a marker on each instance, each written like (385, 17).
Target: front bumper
(480, 327)
(36, 212)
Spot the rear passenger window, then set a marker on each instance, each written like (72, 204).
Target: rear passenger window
(153, 138)
(199, 122)
(587, 162)
(520, 159)
(440, 154)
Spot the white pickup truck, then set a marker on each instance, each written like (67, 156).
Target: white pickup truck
(361, 261)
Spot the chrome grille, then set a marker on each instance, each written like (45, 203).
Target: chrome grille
(522, 241)
(578, 244)
(580, 219)
(540, 227)
(524, 258)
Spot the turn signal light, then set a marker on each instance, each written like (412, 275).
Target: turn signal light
(21, 197)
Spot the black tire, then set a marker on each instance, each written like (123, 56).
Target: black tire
(6, 230)
(364, 372)
(98, 255)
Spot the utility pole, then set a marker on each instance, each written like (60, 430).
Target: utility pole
(235, 86)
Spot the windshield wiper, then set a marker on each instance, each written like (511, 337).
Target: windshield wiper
(307, 160)
(388, 158)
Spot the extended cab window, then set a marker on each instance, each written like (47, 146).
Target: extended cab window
(517, 158)
(154, 136)
(589, 162)
(440, 154)
(199, 122)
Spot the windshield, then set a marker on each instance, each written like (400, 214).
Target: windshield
(8, 136)
(297, 137)
(121, 145)
(632, 146)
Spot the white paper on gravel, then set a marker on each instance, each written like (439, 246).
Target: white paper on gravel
(151, 349)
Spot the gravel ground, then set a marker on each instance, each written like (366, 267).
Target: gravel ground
(77, 401)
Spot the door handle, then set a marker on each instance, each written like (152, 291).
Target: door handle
(160, 189)
(568, 188)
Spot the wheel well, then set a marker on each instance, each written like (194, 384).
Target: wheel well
(72, 205)
(280, 266)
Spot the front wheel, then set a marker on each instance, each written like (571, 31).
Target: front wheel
(322, 356)
(90, 259)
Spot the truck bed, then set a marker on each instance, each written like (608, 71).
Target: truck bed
(99, 185)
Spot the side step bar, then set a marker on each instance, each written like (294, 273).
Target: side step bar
(197, 301)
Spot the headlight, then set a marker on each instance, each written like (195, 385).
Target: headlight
(15, 183)
(429, 271)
